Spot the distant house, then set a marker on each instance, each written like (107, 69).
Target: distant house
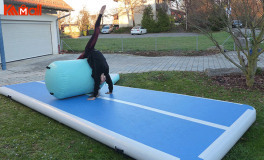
(70, 28)
(92, 20)
(115, 20)
(178, 15)
(35, 33)
(123, 17)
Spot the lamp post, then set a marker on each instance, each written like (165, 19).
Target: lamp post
(2, 50)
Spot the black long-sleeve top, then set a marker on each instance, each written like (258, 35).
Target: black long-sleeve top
(97, 60)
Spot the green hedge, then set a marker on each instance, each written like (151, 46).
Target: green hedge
(162, 24)
(122, 30)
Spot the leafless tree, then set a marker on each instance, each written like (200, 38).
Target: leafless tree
(130, 7)
(61, 21)
(83, 20)
(247, 40)
(92, 19)
(184, 5)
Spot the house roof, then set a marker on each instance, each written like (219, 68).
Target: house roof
(48, 4)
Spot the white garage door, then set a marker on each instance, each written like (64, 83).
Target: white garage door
(26, 39)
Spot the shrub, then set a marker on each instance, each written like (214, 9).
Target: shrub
(147, 19)
(216, 19)
(216, 23)
(163, 22)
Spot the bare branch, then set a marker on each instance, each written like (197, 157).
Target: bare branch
(210, 36)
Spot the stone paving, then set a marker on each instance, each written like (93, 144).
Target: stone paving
(34, 69)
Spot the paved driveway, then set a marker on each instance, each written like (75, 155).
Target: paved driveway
(34, 69)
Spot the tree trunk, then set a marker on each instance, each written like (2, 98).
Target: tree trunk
(133, 18)
(251, 71)
(186, 16)
(128, 19)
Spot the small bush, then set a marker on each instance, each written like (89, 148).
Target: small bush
(122, 30)
(177, 28)
(258, 71)
(70, 35)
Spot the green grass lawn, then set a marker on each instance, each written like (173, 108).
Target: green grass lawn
(26, 134)
(151, 44)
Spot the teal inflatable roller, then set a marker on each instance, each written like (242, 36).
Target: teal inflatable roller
(70, 78)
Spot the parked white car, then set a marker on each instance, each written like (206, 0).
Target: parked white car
(107, 29)
(138, 30)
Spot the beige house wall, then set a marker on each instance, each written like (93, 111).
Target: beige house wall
(124, 21)
(72, 29)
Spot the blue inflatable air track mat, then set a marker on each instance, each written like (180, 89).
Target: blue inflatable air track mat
(145, 124)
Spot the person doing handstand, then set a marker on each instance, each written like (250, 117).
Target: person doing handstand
(97, 61)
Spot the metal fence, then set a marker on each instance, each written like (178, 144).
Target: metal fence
(137, 43)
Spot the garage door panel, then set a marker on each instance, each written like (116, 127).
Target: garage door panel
(26, 40)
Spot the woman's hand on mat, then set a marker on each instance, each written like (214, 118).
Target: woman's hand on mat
(108, 93)
(91, 98)
(102, 9)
